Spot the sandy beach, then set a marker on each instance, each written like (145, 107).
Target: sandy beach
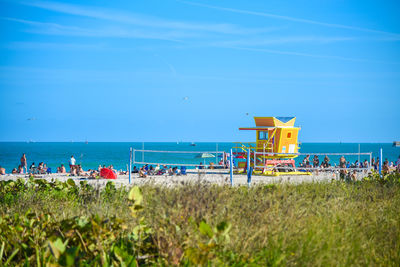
(219, 177)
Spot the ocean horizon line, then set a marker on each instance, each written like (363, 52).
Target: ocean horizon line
(189, 142)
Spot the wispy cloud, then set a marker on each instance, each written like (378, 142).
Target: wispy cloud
(290, 53)
(50, 27)
(58, 29)
(139, 19)
(294, 19)
(57, 46)
(274, 40)
(187, 34)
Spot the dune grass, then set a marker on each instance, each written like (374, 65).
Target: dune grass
(325, 224)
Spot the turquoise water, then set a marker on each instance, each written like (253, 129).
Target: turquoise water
(92, 154)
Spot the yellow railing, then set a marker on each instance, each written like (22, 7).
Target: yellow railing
(244, 146)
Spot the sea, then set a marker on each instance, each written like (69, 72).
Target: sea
(92, 154)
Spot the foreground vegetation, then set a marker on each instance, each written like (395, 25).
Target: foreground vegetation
(338, 223)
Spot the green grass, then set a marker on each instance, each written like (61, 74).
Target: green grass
(325, 224)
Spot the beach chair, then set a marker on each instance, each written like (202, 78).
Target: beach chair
(183, 170)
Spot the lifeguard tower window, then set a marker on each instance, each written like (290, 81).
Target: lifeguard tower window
(262, 135)
(289, 135)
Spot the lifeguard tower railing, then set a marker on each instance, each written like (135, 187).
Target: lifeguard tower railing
(263, 151)
(243, 146)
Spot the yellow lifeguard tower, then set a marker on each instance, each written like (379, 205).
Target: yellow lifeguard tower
(276, 134)
(276, 145)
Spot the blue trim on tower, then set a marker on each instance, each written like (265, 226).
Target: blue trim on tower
(285, 119)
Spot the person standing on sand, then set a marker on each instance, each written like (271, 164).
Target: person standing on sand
(342, 166)
(326, 161)
(24, 163)
(315, 161)
(342, 162)
(306, 162)
(377, 164)
(72, 163)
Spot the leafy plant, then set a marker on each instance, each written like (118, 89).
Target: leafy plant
(54, 223)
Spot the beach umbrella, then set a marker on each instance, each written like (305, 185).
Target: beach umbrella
(107, 173)
(204, 156)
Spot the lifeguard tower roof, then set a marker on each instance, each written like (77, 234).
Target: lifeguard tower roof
(275, 121)
(263, 123)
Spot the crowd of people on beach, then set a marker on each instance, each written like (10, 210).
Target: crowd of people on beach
(343, 163)
(149, 170)
(345, 167)
(74, 169)
(315, 164)
(77, 170)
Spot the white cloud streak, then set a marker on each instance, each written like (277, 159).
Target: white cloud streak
(57, 29)
(57, 46)
(147, 27)
(289, 53)
(283, 40)
(116, 32)
(176, 36)
(138, 19)
(288, 18)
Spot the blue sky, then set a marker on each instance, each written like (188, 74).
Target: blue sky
(197, 70)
